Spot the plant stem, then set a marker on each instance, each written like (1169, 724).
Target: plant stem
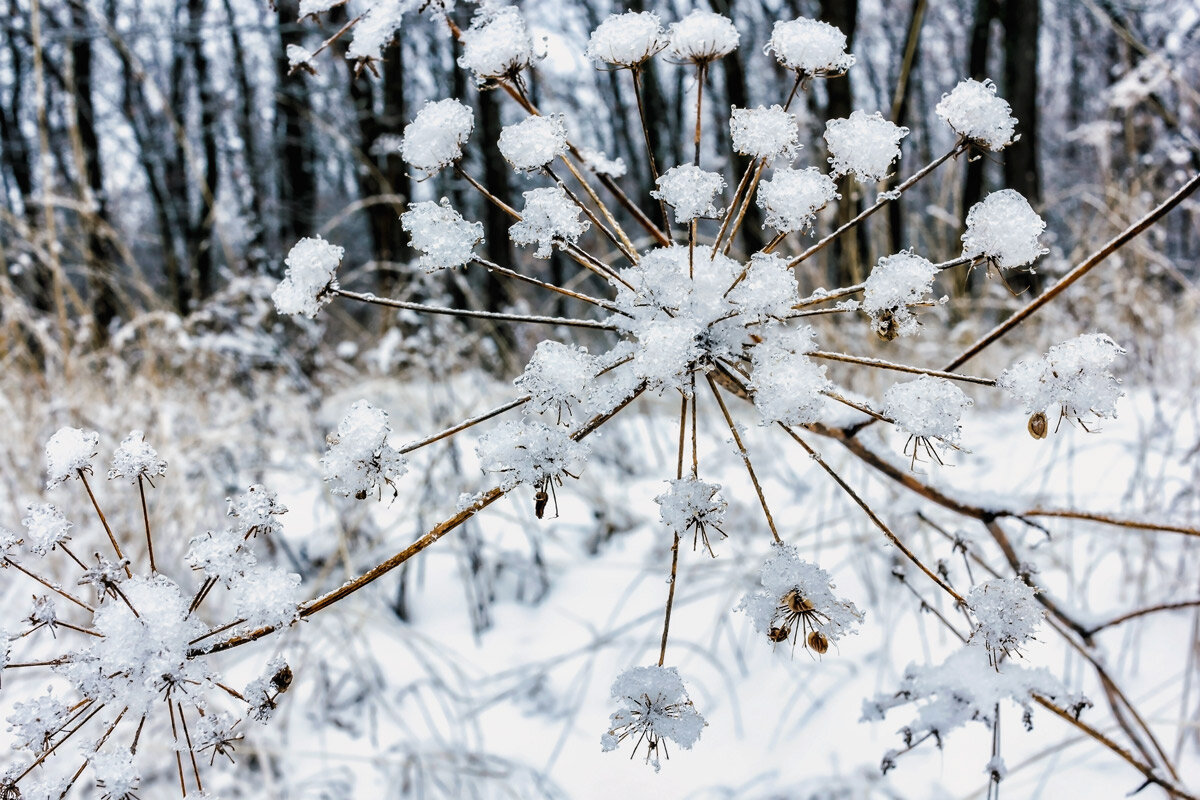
(745, 458)
(881, 364)
(460, 312)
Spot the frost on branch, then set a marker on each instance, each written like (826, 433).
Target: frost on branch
(69, 452)
(810, 47)
(1008, 614)
(134, 458)
(976, 112)
(896, 283)
(359, 459)
(534, 142)
(530, 452)
(627, 40)
(1004, 229)
(654, 706)
(690, 191)
(702, 36)
(444, 239)
(550, 217)
(45, 526)
(792, 198)
(498, 44)
(435, 138)
(766, 133)
(769, 289)
(692, 506)
(557, 377)
(927, 408)
(787, 384)
(1073, 376)
(864, 145)
(311, 272)
(796, 601)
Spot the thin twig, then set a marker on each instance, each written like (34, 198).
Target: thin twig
(460, 312)
(104, 521)
(881, 364)
(737, 439)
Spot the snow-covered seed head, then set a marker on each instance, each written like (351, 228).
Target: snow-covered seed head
(896, 284)
(810, 47)
(653, 707)
(311, 274)
(550, 217)
(786, 383)
(693, 506)
(533, 143)
(863, 145)
(766, 133)
(134, 458)
(557, 377)
(976, 112)
(768, 291)
(255, 513)
(792, 198)
(530, 452)
(1073, 376)
(444, 239)
(68, 453)
(498, 44)
(45, 527)
(627, 40)
(359, 460)
(927, 409)
(1004, 229)
(1008, 615)
(435, 138)
(702, 36)
(690, 191)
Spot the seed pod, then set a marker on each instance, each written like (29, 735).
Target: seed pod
(818, 643)
(797, 603)
(539, 503)
(1038, 425)
(779, 634)
(886, 327)
(282, 679)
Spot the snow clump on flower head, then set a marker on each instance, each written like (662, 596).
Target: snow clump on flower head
(45, 527)
(557, 376)
(359, 459)
(654, 706)
(976, 112)
(550, 217)
(530, 452)
(627, 40)
(1004, 229)
(533, 143)
(1073, 375)
(810, 47)
(1008, 614)
(787, 384)
(69, 452)
(895, 283)
(702, 36)
(864, 145)
(134, 458)
(766, 133)
(927, 408)
(690, 191)
(692, 505)
(792, 198)
(768, 290)
(444, 239)
(435, 138)
(311, 272)
(498, 44)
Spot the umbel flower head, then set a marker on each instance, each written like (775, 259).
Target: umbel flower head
(653, 707)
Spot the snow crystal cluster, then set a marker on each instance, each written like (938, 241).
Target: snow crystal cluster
(798, 594)
(557, 377)
(550, 217)
(765, 133)
(627, 40)
(256, 512)
(45, 527)
(1008, 615)
(976, 112)
(498, 44)
(654, 706)
(702, 36)
(787, 384)
(377, 28)
(690, 191)
(863, 145)
(359, 459)
(531, 452)
(691, 505)
(895, 284)
(533, 143)
(1004, 229)
(1073, 376)
(435, 138)
(792, 198)
(444, 239)
(68, 453)
(809, 47)
(311, 272)
(768, 291)
(928, 408)
(135, 459)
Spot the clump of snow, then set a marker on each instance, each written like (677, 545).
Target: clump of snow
(792, 198)
(69, 452)
(702, 36)
(809, 46)
(601, 164)
(627, 40)
(787, 384)
(653, 705)
(115, 773)
(444, 239)
(766, 133)
(1008, 614)
(134, 458)
(769, 289)
(498, 44)
(976, 112)
(895, 283)
(557, 376)
(550, 217)
(311, 272)
(799, 594)
(256, 512)
(534, 142)
(359, 459)
(927, 408)
(1073, 375)
(530, 452)
(666, 351)
(45, 526)
(864, 145)
(691, 505)
(35, 722)
(1004, 229)
(266, 597)
(299, 58)
(435, 138)
(690, 191)
(221, 555)
(377, 28)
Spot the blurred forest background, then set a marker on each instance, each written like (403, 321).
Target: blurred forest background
(154, 152)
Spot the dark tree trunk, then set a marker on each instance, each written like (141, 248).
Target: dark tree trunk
(202, 243)
(986, 12)
(847, 252)
(297, 191)
(246, 120)
(1022, 23)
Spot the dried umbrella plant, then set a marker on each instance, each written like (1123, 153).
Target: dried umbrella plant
(685, 319)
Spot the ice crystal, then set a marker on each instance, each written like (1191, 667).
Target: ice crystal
(534, 142)
(69, 452)
(311, 272)
(1008, 614)
(549, 218)
(45, 527)
(787, 384)
(896, 283)
(435, 138)
(377, 28)
(976, 112)
(1073, 376)
(864, 145)
(1004, 229)
(498, 44)
(810, 47)
(359, 459)
(690, 191)
(33, 722)
(627, 40)
(134, 458)
(792, 198)
(654, 706)
(702, 36)
(529, 451)
(440, 233)
(766, 133)
(927, 408)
